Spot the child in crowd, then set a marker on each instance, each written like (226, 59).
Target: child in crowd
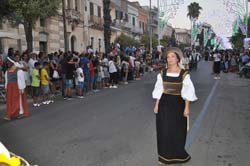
(80, 79)
(45, 81)
(99, 77)
(36, 84)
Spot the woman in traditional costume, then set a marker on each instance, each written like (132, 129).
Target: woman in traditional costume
(17, 105)
(173, 92)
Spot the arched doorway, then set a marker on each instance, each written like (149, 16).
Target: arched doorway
(73, 43)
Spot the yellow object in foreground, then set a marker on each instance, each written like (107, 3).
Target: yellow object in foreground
(5, 161)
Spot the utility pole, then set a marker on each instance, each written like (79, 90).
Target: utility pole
(247, 18)
(159, 36)
(150, 26)
(64, 27)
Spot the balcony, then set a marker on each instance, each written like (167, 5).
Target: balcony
(97, 22)
(136, 30)
(127, 25)
(72, 14)
(117, 23)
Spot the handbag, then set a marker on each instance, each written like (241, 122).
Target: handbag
(55, 74)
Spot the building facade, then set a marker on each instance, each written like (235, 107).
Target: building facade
(182, 36)
(84, 27)
(153, 19)
(84, 24)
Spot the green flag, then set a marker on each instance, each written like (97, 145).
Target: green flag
(212, 41)
(235, 27)
(205, 38)
(194, 32)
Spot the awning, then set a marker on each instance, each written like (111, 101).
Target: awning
(9, 35)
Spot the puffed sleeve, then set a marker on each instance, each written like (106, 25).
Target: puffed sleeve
(6, 79)
(20, 80)
(188, 91)
(158, 90)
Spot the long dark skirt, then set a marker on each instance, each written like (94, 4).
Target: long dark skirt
(171, 130)
(217, 67)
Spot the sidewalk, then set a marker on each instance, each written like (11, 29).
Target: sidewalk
(223, 138)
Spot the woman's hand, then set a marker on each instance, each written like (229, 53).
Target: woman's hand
(156, 110)
(186, 112)
(156, 106)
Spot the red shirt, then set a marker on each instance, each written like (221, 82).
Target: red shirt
(91, 69)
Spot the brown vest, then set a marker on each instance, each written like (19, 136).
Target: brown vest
(173, 85)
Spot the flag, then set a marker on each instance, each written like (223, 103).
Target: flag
(205, 38)
(194, 33)
(241, 25)
(235, 27)
(212, 41)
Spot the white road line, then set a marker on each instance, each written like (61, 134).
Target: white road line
(194, 130)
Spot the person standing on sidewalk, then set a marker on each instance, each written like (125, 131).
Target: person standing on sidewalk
(15, 92)
(217, 65)
(45, 80)
(173, 92)
(113, 73)
(36, 84)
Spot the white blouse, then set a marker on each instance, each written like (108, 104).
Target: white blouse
(187, 92)
(20, 80)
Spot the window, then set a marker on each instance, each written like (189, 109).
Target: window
(126, 17)
(1, 25)
(133, 21)
(99, 11)
(116, 14)
(91, 7)
(76, 5)
(42, 22)
(43, 47)
(121, 15)
(140, 24)
(143, 27)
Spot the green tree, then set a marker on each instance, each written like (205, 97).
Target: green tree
(27, 12)
(125, 41)
(107, 24)
(173, 39)
(194, 11)
(237, 40)
(145, 40)
(165, 41)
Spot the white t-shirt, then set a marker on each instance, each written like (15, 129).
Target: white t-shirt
(79, 71)
(217, 57)
(112, 68)
(137, 64)
(132, 60)
(31, 64)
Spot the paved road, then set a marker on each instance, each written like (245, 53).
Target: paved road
(116, 127)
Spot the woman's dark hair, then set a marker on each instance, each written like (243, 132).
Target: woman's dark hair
(51, 56)
(45, 63)
(36, 64)
(40, 55)
(111, 58)
(178, 57)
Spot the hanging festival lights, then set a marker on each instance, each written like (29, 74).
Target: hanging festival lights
(167, 10)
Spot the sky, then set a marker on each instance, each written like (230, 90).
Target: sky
(214, 12)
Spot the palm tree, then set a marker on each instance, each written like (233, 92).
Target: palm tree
(107, 24)
(193, 13)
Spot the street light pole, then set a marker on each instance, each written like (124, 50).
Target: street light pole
(150, 26)
(159, 37)
(247, 18)
(64, 27)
